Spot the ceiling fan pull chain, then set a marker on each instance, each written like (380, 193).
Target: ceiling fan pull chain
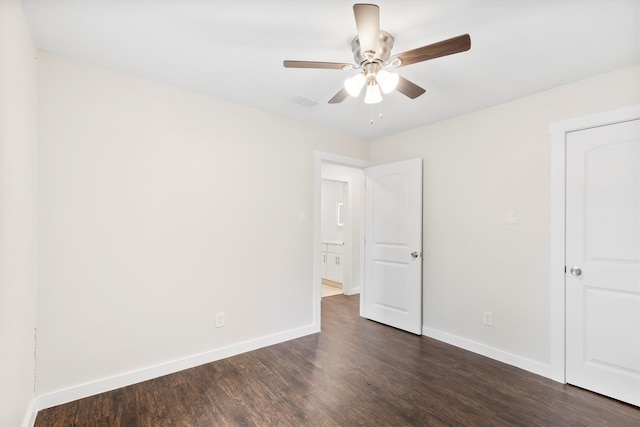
(371, 112)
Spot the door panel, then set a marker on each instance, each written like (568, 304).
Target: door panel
(393, 277)
(611, 340)
(603, 241)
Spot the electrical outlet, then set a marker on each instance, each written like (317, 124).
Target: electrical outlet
(219, 320)
(487, 318)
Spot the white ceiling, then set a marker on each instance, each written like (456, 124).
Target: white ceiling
(233, 49)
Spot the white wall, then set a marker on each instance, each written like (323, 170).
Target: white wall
(476, 168)
(18, 179)
(159, 208)
(332, 193)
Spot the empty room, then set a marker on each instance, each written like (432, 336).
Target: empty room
(319, 213)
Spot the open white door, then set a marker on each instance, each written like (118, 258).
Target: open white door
(393, 246)
(603, 260)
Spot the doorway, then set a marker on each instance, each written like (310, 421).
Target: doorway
(349, 171)
(341, 238)
(342, 217)
(335, 229)
(393, 262)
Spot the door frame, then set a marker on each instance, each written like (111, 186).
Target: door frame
(557, 296)
(320, 157)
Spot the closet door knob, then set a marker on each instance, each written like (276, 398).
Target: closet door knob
(575, 271)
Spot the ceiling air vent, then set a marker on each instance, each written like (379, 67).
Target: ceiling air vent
(303, 102)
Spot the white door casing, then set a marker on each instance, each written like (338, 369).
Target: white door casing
(603, 260)
(393, 245)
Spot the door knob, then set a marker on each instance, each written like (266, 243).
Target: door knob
(575, 271)
(415, 254)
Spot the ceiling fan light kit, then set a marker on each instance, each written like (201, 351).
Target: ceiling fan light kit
(372, 51)
(373, 95)
(387, 81)
(354, 84)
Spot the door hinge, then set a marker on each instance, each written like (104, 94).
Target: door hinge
(565, 269)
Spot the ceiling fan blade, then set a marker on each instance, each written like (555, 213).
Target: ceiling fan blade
(409, 88)
(436, 50)
(339, 97)
(368, 24)
(317, 64)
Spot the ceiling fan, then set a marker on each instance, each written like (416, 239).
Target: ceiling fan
(372, 53)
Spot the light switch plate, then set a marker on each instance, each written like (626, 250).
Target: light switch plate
(511, 217)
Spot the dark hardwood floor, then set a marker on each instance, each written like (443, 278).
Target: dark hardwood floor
(356, 372)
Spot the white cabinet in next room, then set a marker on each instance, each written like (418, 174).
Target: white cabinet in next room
(332, 261)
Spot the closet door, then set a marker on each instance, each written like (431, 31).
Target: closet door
(603, 260)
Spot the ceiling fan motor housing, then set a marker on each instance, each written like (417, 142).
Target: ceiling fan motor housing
(382, 55)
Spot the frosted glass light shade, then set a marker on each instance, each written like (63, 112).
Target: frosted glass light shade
(373, 95)
(387, 81)
(354, 84)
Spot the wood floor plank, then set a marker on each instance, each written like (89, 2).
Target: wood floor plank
(356, 372)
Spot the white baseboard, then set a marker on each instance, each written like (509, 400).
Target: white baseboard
(111, 383)
(490, 352)
(30, 415)
(122, 380)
